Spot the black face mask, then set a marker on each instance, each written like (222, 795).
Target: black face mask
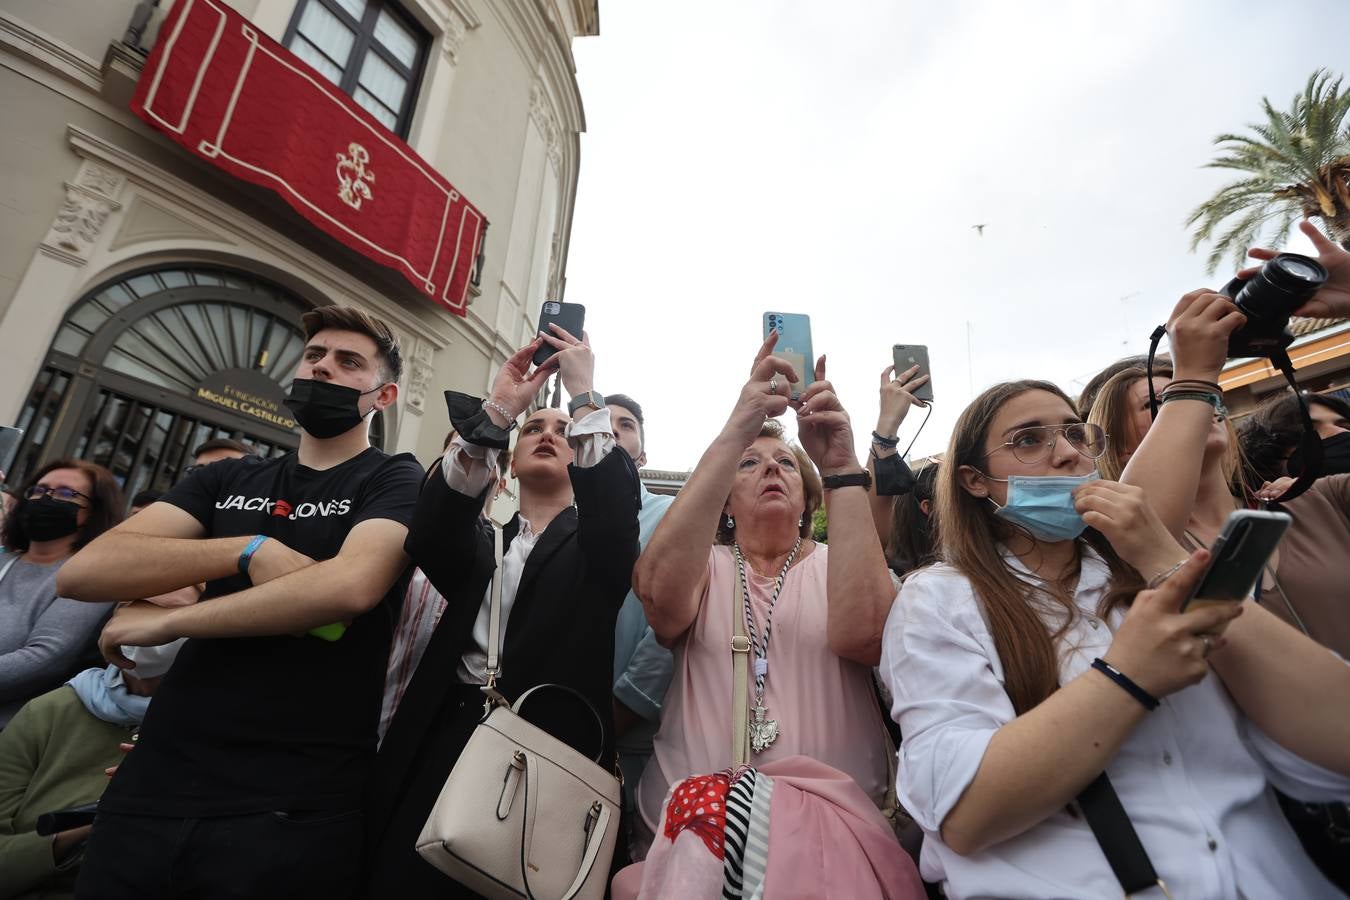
(45, 519)
(1335, 456)
(326, 410)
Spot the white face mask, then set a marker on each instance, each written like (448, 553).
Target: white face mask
(152, 662)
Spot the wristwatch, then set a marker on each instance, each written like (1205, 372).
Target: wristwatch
(586, 398)
(861, 479)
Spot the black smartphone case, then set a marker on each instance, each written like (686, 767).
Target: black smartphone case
(571, 317)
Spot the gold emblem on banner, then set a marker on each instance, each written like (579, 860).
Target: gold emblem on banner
(352, 175)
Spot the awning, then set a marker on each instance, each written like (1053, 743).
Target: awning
(233, 96)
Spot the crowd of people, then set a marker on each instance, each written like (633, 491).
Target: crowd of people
(987, 683)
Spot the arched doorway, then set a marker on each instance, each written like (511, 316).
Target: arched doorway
(148, 366)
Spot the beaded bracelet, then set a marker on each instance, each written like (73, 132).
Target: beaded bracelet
(1212, 399)
(1147, 700)
(505, 413)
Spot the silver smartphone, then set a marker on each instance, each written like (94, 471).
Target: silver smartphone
(905, 357)
(1239, 554)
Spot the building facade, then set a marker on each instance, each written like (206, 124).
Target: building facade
(149, 301)
(1321, 357)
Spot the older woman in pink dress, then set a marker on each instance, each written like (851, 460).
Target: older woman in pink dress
(819, 756)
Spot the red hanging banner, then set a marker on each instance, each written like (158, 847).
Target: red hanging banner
(237, 98)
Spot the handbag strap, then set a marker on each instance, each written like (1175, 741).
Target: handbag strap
(494, 647)
(9, 565)
(740, 678)
(1116, 836)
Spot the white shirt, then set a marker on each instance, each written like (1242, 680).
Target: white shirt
(469, 469)
(1193, 776)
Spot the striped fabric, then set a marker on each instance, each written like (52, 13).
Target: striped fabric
(757, 841)
(739, 800)
(747, 835)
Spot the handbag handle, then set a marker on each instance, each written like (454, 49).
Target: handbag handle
(597, 823)
(599, 723)
(740, 678)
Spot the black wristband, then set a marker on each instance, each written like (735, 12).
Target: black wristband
(885, 441)
(861, 479)
(1147, 700)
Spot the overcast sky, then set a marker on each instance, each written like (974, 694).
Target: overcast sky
(831, 158)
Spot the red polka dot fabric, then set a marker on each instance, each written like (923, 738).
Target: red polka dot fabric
(700, 804)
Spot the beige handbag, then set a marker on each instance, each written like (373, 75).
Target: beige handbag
(522, 814)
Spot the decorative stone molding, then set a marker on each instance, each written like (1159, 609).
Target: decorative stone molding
(458, 21)
(420, 372)
(90, 200)
(554, 264)
(541, 111)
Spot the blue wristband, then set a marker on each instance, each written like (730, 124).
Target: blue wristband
(1147, 700)
(247, 556)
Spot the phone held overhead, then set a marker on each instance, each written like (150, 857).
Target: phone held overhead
(794, 345)
(570, 317)
(906, 357)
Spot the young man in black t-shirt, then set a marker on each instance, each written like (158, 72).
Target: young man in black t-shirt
(249, 775)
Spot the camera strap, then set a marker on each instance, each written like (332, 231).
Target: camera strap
(1310, 445)
(1116, 836)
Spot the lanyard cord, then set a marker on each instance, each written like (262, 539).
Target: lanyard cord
(761, 648)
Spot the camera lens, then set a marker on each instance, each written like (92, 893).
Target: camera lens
(1298, 268)
(1282, 286)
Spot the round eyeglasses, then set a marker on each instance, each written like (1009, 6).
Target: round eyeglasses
(1034, 444)
(64, 494)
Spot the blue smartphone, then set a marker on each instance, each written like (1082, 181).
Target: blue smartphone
(794, 345)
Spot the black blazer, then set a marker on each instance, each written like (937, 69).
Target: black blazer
(560, 630)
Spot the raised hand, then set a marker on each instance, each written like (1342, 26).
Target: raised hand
(824, 428)
(1162, 649)
(517, 384)
(1199, 328)
(897, 396)
(1122, 513)
(1334, 297)
(574, 360)
(764, 396)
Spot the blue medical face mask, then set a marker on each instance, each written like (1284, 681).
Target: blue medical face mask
(1043, 505)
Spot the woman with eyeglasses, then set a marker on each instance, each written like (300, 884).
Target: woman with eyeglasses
(67, 504)
(1049, 647)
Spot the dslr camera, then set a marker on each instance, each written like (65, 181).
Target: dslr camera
(1268, 299)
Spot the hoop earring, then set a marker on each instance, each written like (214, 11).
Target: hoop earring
(731, 523)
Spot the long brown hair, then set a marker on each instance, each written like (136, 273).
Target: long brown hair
(106, 504)
(1111, 411)
(969, 537)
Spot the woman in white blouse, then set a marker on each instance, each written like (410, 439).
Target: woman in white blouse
(1006, 717)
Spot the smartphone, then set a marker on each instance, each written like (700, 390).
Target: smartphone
(1238, 557)
(9, 442)
(794, 345)
(571, 317)
(906, 356)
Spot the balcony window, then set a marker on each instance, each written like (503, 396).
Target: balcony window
(370, 49)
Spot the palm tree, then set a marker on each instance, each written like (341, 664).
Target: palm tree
(1298, 163)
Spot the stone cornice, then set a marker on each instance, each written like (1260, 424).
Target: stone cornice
(24, 41)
